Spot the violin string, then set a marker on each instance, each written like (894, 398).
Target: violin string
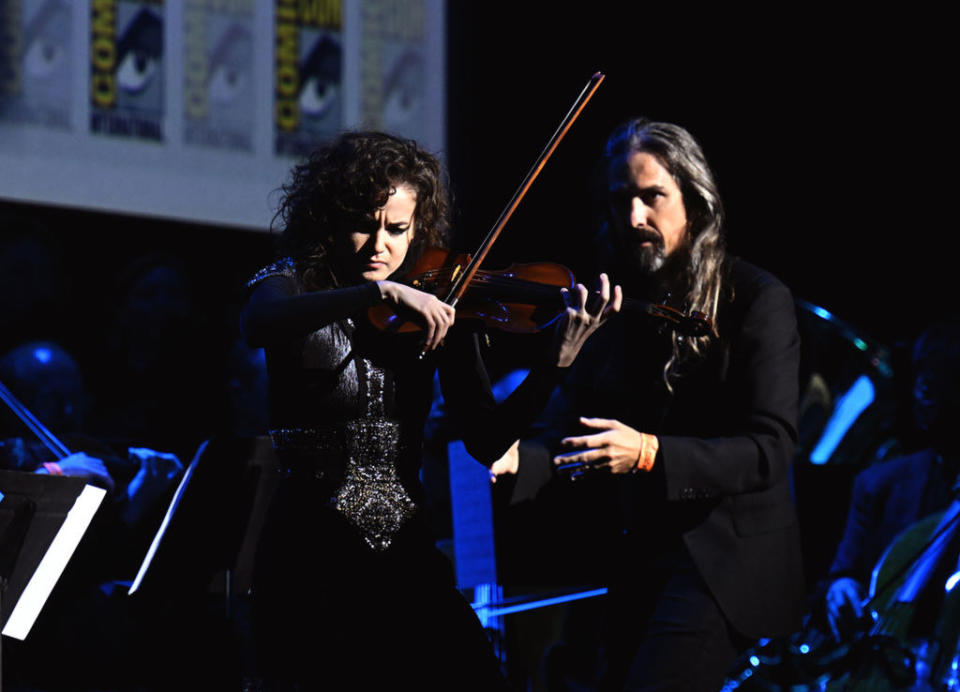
(909, 564)
(481, 279)
(521, 290)
(541, 290)
(523, 284)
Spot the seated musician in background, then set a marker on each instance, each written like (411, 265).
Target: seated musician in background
(47, 380)
(689, 436)
(890, 496)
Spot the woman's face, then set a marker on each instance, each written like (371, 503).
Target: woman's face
(379, 242)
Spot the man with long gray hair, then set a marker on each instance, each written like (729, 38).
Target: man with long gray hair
(689, 430)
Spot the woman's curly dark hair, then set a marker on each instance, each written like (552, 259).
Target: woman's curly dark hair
(348, 178)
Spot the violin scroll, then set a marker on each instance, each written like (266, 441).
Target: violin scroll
(695, 324)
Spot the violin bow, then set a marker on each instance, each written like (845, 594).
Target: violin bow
(462, 281)
(49, 440)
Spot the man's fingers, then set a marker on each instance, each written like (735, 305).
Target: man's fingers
(584, 294)
(591, 457)
(599, 423)
(604, 294)
(617, 302)
(584, 441)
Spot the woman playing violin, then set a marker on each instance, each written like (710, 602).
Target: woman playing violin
(347, 556)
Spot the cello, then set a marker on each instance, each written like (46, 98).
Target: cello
(898, 647)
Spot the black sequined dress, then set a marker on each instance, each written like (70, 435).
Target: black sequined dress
(349, 588)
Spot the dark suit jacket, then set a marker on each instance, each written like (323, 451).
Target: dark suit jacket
(726, 447)
(727, 436)
(887, 498)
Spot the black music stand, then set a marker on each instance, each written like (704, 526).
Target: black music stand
(42, 520)
(204, 524)
(200, 536)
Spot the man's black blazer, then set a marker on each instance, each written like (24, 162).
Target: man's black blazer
(726, 446)
(727, 437)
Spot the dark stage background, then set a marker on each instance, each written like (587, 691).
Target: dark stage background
(829, 134)
(831, 137)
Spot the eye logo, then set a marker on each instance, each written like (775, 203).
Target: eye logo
(35, 74)
(139, 50)
(308, 67)
(126, 54)
(320, 73)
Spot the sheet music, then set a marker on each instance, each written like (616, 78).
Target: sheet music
(54, 561)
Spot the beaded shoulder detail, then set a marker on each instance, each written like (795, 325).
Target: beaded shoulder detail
(282, 267)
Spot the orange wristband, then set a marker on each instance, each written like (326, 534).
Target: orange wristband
(53, 468)
(649, 444)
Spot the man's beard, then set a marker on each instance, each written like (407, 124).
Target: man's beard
(646, 258)
(643, 258)
(643, 250)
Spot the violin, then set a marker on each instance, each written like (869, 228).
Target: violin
(456, 277)
(521, 299)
